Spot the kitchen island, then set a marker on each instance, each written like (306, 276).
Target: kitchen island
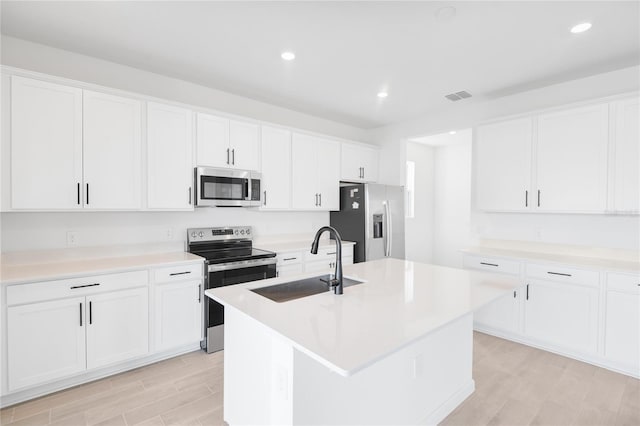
(396, 349)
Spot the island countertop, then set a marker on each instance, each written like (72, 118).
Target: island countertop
(399, 303)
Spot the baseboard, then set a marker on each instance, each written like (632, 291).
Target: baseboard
(596, 360)
(449, 405)
(16, 397)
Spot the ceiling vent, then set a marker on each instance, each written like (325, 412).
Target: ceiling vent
(458, 95)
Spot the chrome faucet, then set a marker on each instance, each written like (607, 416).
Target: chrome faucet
(336, 282)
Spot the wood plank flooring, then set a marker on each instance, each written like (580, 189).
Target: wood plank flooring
(515, 385)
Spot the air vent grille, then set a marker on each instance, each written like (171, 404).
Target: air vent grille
(458, 96)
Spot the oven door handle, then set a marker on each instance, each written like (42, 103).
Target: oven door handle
(241, 265)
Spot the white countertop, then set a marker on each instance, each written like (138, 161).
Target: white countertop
(43, 271)
(600, 263)
(400, 302)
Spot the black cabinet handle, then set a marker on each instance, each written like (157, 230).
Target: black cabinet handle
(514, 294)
(526, 198)
(227, 155)
(329, 254)
(320, 198)
(78, 193)
(80, 314)
(199, 290)
(489, 264)
(83, 286)
(527, 291)
(189, 195)
(538, 198)
(363, 173)
(294, 258)
(559, 273)
(90, 313)
(265, 198)
(233, 156)
(87, 194)
(179, 273)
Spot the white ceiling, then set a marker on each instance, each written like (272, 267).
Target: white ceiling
(346, 51)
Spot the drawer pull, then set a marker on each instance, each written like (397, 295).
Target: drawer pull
(294, 258)
(559, 273)
(489, 264)
(80, 314)
(90, 313)
(179, 273)
(527, 291)
(83, 286)
(332, 253)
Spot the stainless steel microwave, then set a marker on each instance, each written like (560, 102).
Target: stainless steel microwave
(227, 187)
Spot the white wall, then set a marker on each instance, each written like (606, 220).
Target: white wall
(39, 231)
(452, 201)
(419, 230)
(617, 232)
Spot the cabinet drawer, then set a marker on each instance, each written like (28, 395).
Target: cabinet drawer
(563, 274)
(72, 287)
(178, 273)
(289, 258)
(623, 282)
(323, 253)
(492, 264)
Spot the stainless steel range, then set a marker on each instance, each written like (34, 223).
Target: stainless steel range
(230, 259)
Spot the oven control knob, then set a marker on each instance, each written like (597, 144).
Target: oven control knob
(193, 234)
(242, 231)
(248, 231)
(236, 232)
(200, 234)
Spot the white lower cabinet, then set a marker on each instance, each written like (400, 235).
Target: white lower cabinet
(45, 341)
(622, 321)
(178, 318)
(502, 314)
(564, 315)
(117, 326)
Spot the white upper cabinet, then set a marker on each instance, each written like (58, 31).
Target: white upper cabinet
(46, 145)
(111, 151)
(315, 173)
(169, 157)
(626, 158)
(244, 143)
(572, 160)
(276, 168)
(503, 165)
(212, 136)
(227, 143)
(359, 163)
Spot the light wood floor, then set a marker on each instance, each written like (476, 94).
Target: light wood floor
(515, 385)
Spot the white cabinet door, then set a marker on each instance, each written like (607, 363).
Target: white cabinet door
(244, 141)
(117, 326)
(626, 164)
(169, 157)
(45, 341)
(622, 329)
(178, 314)
(572, 160)
(503, 165)
(111, 151)
(328, 181)
(501, 314)
(46, 145)
(564, 315)
(359, 164)
(276, 168)
(304, 172)
(212, 141)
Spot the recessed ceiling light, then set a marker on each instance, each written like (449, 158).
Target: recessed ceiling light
(382, 94)
(580, 28)
(288, 56)
(453, 132)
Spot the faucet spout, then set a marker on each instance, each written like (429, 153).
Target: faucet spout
(336, 283)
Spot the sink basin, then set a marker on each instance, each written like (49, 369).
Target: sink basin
(300, 288)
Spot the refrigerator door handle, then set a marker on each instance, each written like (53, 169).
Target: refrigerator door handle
(387, 230)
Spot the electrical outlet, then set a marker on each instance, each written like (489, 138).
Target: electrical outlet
(72, 238)
(169, 234)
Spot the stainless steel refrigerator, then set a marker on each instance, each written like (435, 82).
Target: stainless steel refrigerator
(372, 215)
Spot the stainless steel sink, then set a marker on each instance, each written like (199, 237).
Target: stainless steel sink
(300, 288)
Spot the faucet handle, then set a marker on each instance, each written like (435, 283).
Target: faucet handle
(331, 282)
